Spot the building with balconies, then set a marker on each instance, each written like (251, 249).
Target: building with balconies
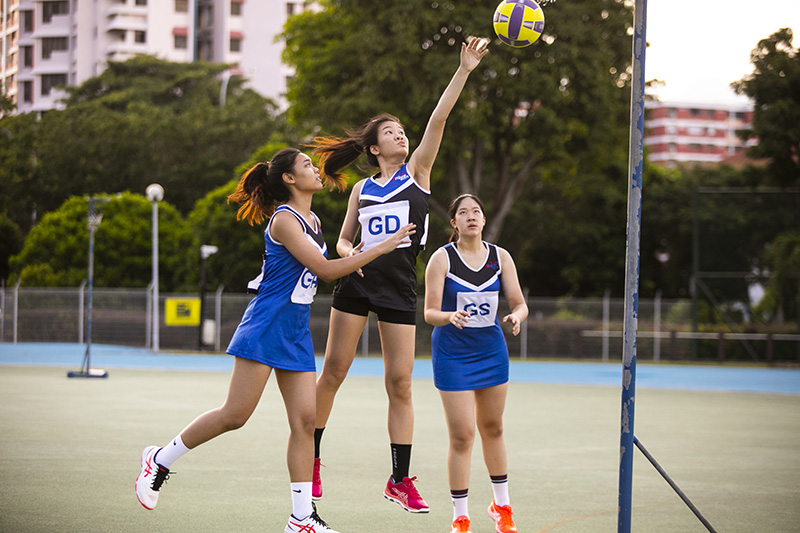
(685, 133)
(47, 44)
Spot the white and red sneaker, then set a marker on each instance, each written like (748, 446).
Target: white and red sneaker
(150, 479)
(504, 523)
(405, 495)
(316, 481)
(310, 524)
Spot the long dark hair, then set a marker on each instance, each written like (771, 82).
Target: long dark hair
(454, 209)
(337, 153)
(262, 188)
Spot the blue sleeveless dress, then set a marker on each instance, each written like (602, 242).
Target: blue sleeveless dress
(274, 329)
(476, 356)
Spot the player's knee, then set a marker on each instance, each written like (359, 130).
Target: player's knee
(492, 429)
(461, 441)
(399, 388)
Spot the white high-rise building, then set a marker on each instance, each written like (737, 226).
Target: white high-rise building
(47, 43)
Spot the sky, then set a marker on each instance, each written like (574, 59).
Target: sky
(699, 47)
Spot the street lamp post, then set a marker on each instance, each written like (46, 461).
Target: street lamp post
(206, 250)
(87, 371)
(155, 193)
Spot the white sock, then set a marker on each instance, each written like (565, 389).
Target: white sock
(171, 452)
(500, 490)
(301, 499)
(460, 506)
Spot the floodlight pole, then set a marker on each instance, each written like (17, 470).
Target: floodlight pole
(155, 193)
(630, 324)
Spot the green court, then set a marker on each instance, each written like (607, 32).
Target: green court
(71, 454)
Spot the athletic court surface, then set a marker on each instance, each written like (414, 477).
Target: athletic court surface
(728, 435)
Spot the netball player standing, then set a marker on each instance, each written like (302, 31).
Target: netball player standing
(274, 331)
(378, 205)
(463, 281)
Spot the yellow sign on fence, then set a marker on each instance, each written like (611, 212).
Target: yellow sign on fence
(182, 311)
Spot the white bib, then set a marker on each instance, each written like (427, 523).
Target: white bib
(481, 307)
(381, 221)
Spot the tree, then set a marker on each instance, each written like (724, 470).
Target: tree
(551, 117)
(141, 121)
(55, 250)
(10, 244)
(774, 87)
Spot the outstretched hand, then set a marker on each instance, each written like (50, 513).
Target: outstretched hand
(473, 51)
(401, 236)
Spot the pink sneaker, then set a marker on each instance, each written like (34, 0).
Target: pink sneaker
(405, 494)
(316, 481)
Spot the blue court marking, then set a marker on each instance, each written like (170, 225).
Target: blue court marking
(657, 376)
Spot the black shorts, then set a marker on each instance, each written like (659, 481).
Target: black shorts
(362, 307)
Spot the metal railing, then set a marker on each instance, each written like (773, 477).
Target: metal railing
(576, 328)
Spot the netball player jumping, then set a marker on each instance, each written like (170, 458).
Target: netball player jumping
(398, 194)
(274, 331)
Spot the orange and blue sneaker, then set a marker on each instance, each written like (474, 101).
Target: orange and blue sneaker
(316, 481)
(502, 518)
(405, 495)
(461, 525)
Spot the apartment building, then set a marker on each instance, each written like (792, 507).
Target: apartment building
(49, 43)
(680, 133)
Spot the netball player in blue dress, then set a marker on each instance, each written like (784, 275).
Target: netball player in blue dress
(274, 331)
(463, 281)
(398, 194)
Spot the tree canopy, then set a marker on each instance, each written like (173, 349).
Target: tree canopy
(543, 123)
(141, 121)
(774, 87)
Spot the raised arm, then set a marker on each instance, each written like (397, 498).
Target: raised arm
(346, 245)
(287, 230)
(512, 292)
(421, 161)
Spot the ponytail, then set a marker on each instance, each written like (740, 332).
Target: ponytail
(262, 188)
(337, 153)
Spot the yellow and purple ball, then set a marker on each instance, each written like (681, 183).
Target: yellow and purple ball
(518, 23)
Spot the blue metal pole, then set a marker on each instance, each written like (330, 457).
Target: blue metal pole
(635, 161)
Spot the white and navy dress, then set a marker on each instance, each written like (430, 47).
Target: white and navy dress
(274, 329)
(476, 356)
(391, 279)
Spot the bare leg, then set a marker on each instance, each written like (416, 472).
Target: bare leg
(489, 406)
(247, 384)
(298, 391)
(397, 341)
(345, 330)
(459, 411)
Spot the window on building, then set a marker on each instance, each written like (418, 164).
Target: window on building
(672, 148)
(695, 130)
(27, 56)
(181, 6)
(673, 112)
(672, 130)
(49, 81)
(27, 21)
(181, 42)
(141, 2)
(205, 50)
(49, 9)
(694, 147)
(711, 113)
(140, 36)
(741, 116)
(53, 44)
(711, 131)
(27, 91)
(236, 9)
(236, 45)
(694, 112)
(290, 9)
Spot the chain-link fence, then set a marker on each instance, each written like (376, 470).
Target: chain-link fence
(576, 328)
